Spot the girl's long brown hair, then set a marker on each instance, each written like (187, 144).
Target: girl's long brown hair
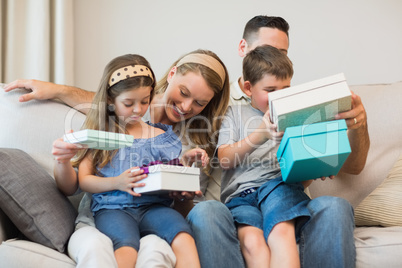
(101, 115)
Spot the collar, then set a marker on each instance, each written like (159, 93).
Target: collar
(236, 92)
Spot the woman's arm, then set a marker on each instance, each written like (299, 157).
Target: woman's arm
(41, 90)
(64, 173)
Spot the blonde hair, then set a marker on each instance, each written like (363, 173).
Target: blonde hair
(101, 115)
(213, 111)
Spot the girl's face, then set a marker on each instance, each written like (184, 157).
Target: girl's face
(186, 95)
(132, 104)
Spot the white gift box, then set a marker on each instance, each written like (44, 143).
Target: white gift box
(165, 178)
(312, 102)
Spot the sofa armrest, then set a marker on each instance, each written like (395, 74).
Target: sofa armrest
(7, 228)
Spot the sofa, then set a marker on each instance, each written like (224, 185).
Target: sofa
(376, 193)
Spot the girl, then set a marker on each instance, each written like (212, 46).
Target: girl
(122, 99)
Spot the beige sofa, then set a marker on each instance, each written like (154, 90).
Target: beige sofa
(33, 126)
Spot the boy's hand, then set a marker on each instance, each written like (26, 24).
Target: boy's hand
(272, 134)
(331, 177)
(128, 180)
(195, 155)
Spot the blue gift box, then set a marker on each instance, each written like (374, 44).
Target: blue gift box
(313, 151)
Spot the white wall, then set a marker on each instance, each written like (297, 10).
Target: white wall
(362, 38)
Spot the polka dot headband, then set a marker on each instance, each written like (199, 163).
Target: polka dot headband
(207, 61)
(128, 72)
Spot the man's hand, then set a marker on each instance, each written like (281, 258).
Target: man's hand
(40, 90)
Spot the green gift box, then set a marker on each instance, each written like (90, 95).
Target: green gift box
(313, 151)
(101, 140)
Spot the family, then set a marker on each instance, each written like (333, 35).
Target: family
(251, 226)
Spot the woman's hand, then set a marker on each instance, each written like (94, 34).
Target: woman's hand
(184, 196)
(195, 155)
(129, 179)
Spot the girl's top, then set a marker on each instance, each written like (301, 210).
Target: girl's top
(163, 147)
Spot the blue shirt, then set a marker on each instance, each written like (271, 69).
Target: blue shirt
(163, 147)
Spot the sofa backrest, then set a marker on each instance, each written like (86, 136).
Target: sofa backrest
(384, 113)
(33, 126)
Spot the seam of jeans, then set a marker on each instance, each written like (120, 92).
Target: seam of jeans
(301, 250)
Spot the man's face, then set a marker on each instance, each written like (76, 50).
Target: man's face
(266, 36)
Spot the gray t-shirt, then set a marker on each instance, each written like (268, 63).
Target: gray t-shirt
(256, 168)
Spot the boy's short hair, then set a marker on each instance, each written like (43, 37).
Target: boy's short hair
(264, 60)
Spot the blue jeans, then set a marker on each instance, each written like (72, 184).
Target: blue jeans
(126, 226)
(215, 235)
(326, 241)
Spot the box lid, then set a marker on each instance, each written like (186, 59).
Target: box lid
(308, 130)
(313, 102)
(99, 139)
(173, 169)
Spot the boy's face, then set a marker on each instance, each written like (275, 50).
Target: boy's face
(259, 92)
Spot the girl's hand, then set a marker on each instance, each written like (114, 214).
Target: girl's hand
(128, 180)
(195, 155)
(184, 196)
(270, 128)
(63, 151)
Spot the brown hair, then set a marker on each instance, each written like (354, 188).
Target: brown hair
(266, 60)
(101, 115)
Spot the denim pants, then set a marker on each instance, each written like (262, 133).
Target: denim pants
(326, 241)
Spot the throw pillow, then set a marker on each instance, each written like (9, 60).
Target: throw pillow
(30, 198)
(383, 207)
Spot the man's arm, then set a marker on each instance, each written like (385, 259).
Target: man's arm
(356, 120)
(41, 90)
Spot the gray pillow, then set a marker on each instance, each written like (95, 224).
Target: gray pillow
(30, 198)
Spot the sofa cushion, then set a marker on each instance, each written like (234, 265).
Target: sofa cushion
(32, 201)
(378, 247)
(20, 253)
(384, 205)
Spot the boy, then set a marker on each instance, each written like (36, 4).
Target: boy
(268, 213)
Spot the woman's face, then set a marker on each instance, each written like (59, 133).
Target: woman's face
(186, 95)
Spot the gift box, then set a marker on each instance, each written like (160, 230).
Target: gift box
(312, 102)
(101, 140)
(313, 151)
(164, 178)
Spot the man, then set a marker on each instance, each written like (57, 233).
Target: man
(327, 241)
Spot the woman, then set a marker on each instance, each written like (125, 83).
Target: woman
(193, 97)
